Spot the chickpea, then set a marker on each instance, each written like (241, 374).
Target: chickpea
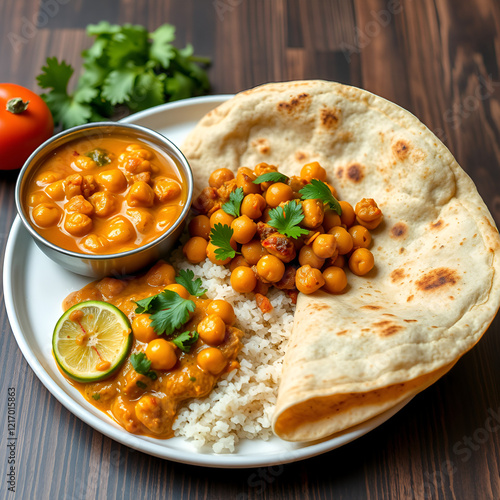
(344, 240)
(95, 243)
(264, 168)
(142, 329)
(361, 261)
(211, 360)
(324, 246)
(195, 249)
(120, 230)
(253, 251)
(178, 289)
(37, 198)
(313, 171)
(237, 261)
(243, 279)
(308, 279)
(335, 279)
(244, 180)
(142, 219)
(112, 180)
(332, 190)
(266, 217)
(331, 219)
(162, 354)
(270, 268)
(223, 309)
(361, 237)
(140, 195)
(314, 212)
(46, 214)
(212, 330)
(348, 216)
(89, 186)
(308, 257)
(78, 224)
(368, 214)
(161, 274)
(200, 226)
(139, 151)
(212, 257)
(253, 205)
(79, 204)
(244, 229)
(296, 183)
(221, 217)
(104, 203)
(339, 261)
(48, 178)
(56, 190)
(166, 189)
(219, 176)
(167, 216)
(278, 193)
(83, 163)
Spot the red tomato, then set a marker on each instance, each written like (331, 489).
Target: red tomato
(21, 133)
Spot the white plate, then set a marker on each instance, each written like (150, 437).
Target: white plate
(34, 288)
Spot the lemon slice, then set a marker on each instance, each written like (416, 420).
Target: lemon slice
(91, 340)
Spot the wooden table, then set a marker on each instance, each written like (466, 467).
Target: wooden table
(440, 60)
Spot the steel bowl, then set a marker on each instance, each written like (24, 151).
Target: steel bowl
(118, 264)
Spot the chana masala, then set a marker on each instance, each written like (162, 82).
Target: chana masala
(271, 230)
(162, 370)
(288, 232)
(105, 195)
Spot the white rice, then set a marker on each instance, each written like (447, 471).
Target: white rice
(242, 403)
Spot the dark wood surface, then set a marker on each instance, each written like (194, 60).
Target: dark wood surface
(437, 58)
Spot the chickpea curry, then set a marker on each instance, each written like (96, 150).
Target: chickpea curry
(165, 367)
(288, 232)
(106, 195)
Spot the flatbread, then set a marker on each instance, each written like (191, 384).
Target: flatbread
(435, 287)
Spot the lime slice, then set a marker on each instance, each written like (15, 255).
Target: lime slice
(91, 340)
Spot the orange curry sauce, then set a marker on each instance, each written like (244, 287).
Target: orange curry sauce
(138, 403)
(132, 198)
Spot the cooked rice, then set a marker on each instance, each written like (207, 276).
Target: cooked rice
(242, 403)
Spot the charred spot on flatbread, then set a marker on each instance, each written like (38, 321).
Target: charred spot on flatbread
(386, 328)
(329, 117)
(261, 145)
(371, 307)
(355, 172)
(437, 279)
(295, 104)
(399, 230)
(300, 156)
(339, 173)
(397, 275)
(401, 149)
(439, 224)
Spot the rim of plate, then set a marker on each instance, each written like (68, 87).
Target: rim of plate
(141, 443)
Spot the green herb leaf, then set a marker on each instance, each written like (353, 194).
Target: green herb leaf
(141, 384)
(161, 49)
(168, 311)
(96, 396)
(185, 340)
(100, 156)
(119, 85)
(271, 177)
(220, 237)
(286, 219)
(192, 379)
(232, 207)
(142, 365)
(193, 286)
(318, 190)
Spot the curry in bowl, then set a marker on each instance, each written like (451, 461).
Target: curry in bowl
(105, 195)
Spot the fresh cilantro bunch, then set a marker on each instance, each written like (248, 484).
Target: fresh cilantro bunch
(125, 67)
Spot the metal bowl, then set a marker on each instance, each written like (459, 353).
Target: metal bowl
(118, 264)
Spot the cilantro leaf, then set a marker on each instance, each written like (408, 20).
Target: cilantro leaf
(286, 219)
(119, 84)
(168, 311)
(220, 237)
(318, 190)
(185, 340)
(148, 91)
(142, 365)
(55, 75)
(161, 50)
(271, 177)
(96, 396)
(193, 286)
(232, 207)
(100, 156)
